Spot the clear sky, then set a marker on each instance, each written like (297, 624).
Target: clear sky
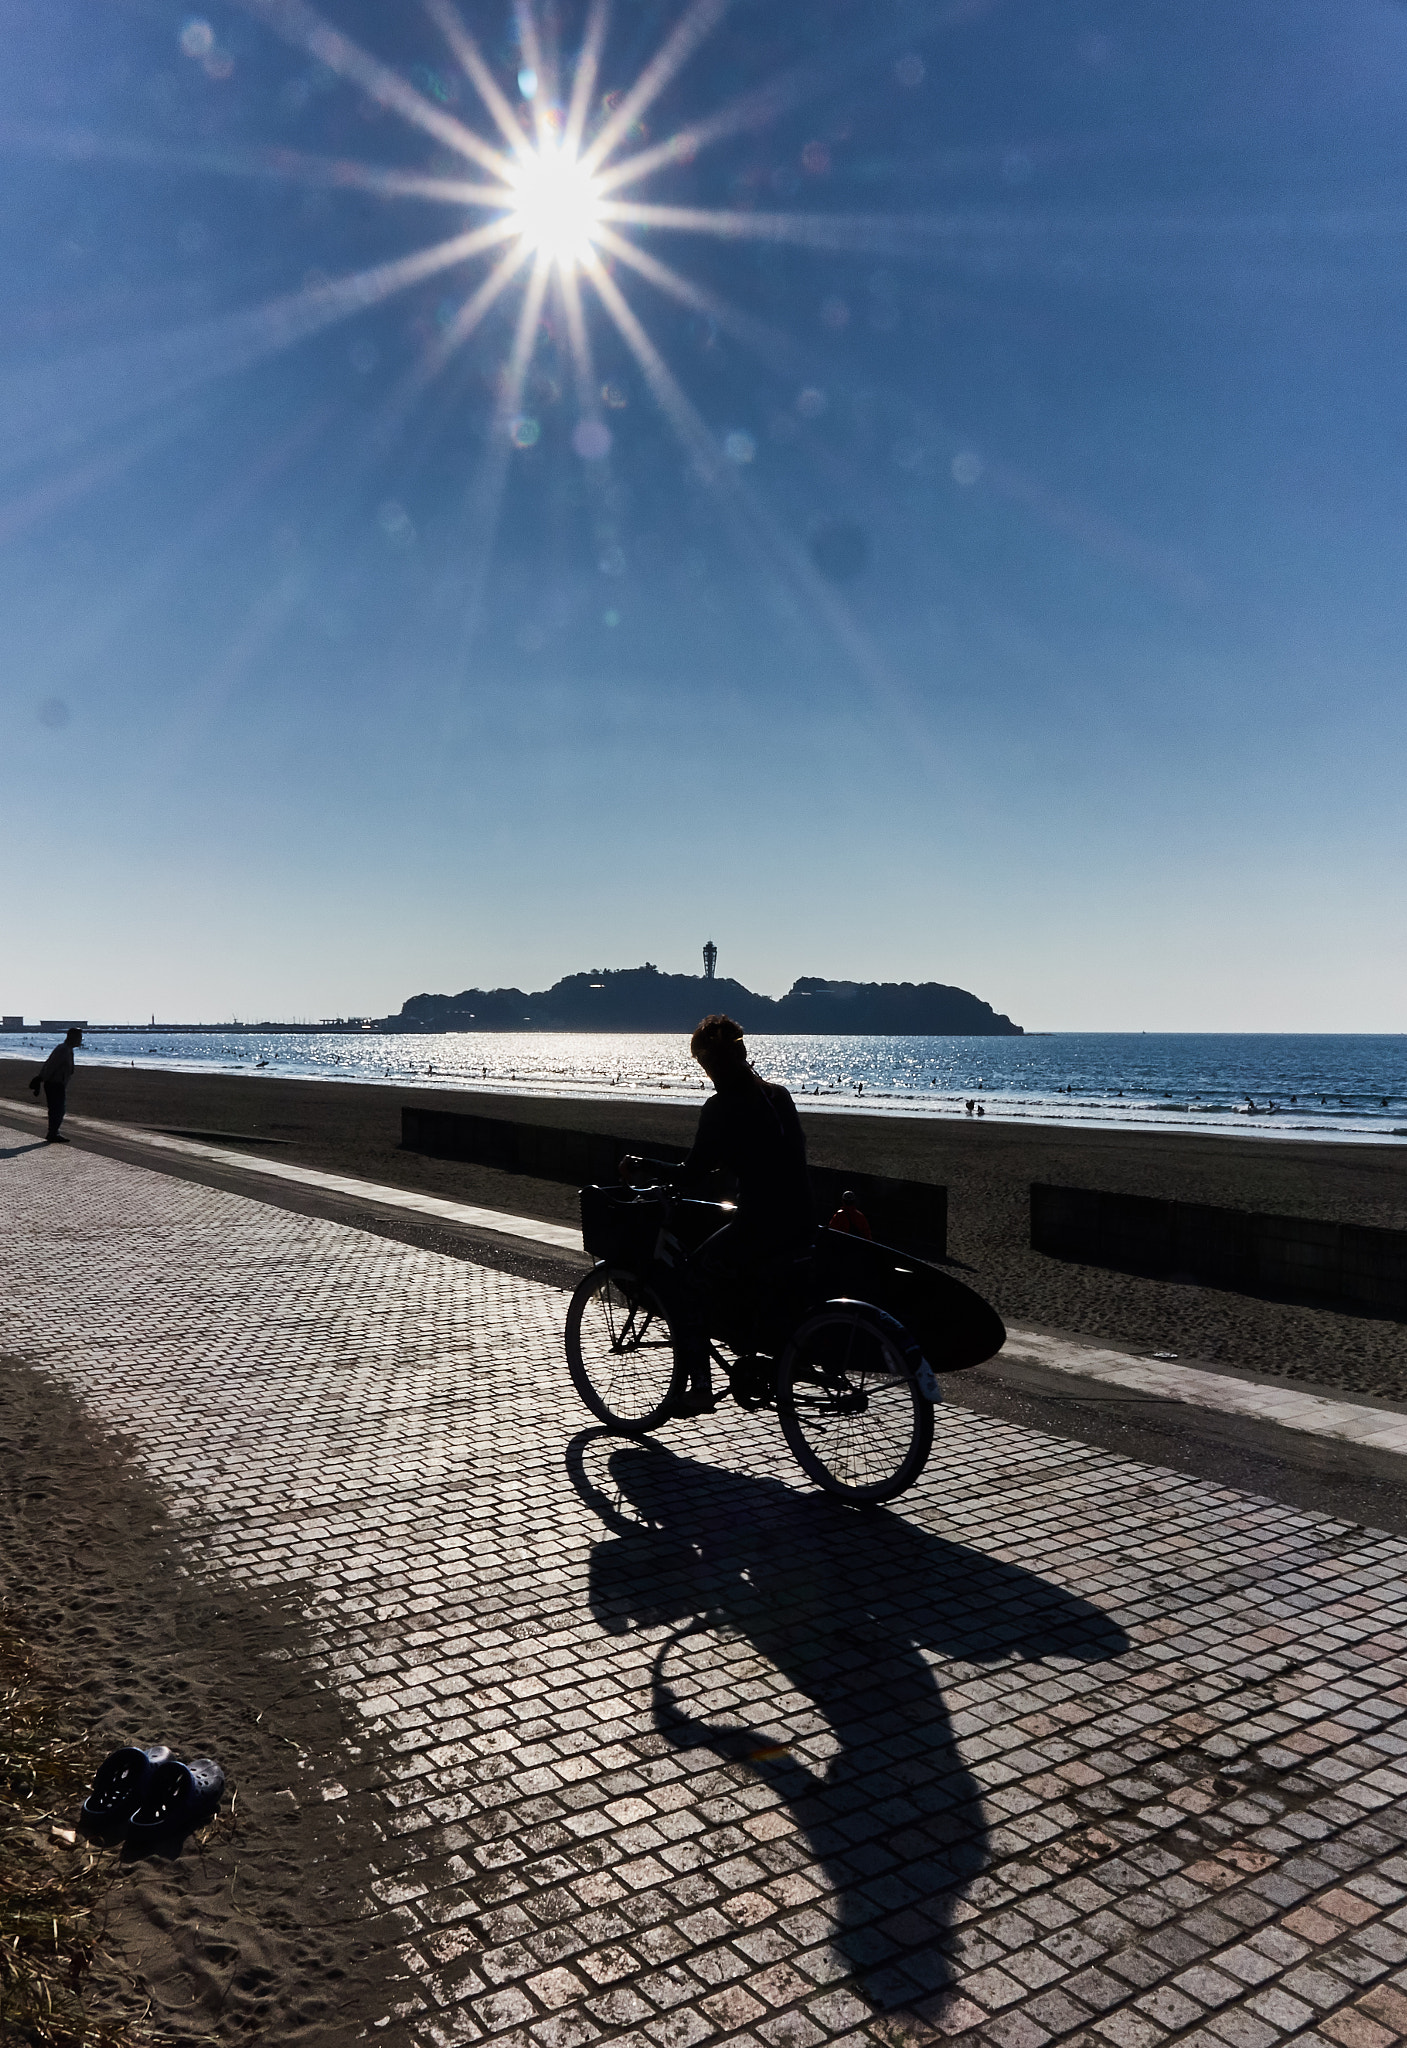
(978, 555)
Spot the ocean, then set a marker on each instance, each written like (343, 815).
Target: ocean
(1270, 1085)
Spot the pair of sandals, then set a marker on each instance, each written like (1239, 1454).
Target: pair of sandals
(152, 1794)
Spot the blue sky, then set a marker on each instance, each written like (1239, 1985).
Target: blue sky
(1026, 611)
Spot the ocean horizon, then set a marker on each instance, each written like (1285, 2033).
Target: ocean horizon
(1286, 1084)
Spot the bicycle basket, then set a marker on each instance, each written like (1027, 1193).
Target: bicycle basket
(620, 1225)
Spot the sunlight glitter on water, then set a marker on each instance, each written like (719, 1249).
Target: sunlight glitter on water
(1303, 1086)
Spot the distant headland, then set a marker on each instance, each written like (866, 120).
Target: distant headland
(644, 999)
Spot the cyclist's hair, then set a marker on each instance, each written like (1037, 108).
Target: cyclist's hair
(718, 1042)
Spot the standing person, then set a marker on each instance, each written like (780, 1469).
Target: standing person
(749, 1129)
(53, 1078)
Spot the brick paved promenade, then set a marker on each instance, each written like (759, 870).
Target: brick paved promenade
(1064, 1748)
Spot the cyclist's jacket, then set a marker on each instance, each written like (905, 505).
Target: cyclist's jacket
(750, 1129)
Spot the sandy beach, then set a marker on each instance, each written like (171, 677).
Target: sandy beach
(227, 1938)
(987, 1168)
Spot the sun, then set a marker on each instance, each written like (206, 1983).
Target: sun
(557, 185)
(556, 205)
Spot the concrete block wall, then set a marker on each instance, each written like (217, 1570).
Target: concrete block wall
(911, 1215)
(1344, 1262)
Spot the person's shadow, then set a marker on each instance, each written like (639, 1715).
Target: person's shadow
(748, 1573)
(18, 1151)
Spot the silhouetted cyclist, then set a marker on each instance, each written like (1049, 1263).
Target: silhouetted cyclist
(748, 1129)
(53, 1077)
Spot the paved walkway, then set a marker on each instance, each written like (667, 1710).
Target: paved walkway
(1063, 1748)
(556, 1236)
(1375, 1425)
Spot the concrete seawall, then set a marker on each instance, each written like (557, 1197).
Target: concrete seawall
(912, 1215)
(1343, 1262)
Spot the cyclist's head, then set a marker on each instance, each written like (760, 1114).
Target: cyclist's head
(718, 1046)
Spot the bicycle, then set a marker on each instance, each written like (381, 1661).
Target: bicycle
(842, 1341)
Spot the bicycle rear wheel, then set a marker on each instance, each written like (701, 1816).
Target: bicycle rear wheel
(620, 1352)
(849, 1407)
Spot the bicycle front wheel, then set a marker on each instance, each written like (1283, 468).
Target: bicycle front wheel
(620, 1352)
(849, 1407)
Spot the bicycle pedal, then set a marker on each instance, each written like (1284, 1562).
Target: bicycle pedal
(753, 1383)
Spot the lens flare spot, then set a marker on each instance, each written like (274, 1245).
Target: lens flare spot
(592, 440)
(396, 524)
(525, 431)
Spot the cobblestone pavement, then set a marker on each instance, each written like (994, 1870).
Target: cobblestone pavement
(1062, 1748)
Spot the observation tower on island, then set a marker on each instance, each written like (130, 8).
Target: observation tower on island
(710, 960)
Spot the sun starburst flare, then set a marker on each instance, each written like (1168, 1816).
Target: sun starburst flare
(557, 216)
(564, 182)
(556, 206)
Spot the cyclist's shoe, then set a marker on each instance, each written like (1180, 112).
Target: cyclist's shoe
(697, 1401)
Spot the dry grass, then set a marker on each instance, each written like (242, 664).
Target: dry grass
(50, 1891)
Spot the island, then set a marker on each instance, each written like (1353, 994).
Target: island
(645, 999)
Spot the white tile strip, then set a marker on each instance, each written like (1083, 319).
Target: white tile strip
(1290, 1407)
(558, 1235)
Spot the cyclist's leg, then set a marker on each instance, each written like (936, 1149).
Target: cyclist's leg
(706, 1281)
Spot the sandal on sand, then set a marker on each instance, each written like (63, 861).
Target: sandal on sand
(179, 1797)
(121, 1783)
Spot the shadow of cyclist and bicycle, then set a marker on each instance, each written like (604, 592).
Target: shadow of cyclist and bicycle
(746, 1573)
